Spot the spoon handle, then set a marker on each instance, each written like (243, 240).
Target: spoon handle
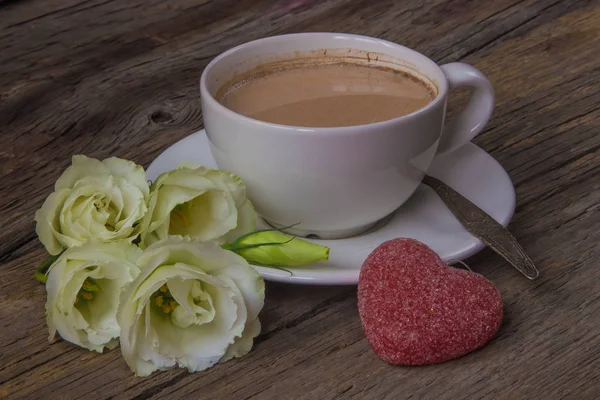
(484, 227)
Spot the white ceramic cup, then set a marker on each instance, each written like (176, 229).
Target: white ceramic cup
(337, 182)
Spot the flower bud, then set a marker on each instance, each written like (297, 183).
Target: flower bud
(275, 248)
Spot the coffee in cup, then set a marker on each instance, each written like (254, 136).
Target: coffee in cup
(325, 93)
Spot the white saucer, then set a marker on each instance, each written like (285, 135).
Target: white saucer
(469, 170)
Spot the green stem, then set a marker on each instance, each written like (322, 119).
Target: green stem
(40, 272)
(274, 267)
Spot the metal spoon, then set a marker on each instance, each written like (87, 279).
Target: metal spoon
(484, 227)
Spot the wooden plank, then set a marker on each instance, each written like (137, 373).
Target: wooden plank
(120, 78)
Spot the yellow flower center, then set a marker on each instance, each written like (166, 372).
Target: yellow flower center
(88, 288)
(163, 300)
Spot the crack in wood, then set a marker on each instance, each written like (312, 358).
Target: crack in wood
(46, 14)
(8, 254)
(320, 307)
(34, 366)
(151, 391)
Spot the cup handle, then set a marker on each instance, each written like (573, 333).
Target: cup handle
(466, 125)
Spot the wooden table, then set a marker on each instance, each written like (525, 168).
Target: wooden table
(107, 77)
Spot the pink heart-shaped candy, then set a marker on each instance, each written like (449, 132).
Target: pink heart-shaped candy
(416, 310)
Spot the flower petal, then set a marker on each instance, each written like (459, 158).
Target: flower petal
(243, 344)
(48, 221)
(81, 167)
(206, 217)
(246, 222)
(129, 171)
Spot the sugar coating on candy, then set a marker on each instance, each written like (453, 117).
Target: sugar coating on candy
(416, 310)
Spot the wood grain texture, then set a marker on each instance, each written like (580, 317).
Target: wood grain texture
(107, 77)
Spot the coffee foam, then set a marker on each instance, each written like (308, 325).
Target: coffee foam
(255, 67)
(325, 92)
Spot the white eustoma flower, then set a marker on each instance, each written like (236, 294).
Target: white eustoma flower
(198, 202)
(93, 200)
(193, 305)
(84, 286)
